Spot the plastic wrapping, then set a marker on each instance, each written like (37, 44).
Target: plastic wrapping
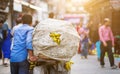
(46, 44)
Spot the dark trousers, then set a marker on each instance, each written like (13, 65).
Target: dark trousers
(107, 49)
(84, 48)
(19, 67)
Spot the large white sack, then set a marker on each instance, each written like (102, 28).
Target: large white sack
(39, 70)
(44, 44)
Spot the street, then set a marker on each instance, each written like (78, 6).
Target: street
(55, 29)
(81, 66)
(91, 66)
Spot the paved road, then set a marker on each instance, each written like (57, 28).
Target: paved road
(91, 66)
(4, 70)
(81, 66)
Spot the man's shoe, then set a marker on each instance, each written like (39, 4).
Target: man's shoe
(86, 57)
(114, 67)
(5, 65)
(102, 66)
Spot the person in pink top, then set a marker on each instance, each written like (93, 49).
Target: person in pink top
(107, 42)
(84, 40)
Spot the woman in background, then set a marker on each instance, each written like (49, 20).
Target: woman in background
(79, 30)
(84, 40)
(6, 45)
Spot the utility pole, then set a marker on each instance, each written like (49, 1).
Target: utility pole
(11, 12)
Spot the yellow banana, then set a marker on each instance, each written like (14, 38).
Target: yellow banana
(68, 65)
(32, 65)
(59, 42)
(55, 37)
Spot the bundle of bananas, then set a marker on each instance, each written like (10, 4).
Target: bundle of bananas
(55, 37)
(68, 65)
(32, 65)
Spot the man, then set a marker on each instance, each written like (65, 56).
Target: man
(22, 47)
(107, 39)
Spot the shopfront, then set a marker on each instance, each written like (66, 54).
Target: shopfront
(105, 9)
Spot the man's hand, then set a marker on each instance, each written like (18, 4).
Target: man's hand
(33, 58)
(105, 44)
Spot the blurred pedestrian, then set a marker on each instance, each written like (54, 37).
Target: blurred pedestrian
(84, 39)
(107, 42)
(1, 35)
(6, 46)
(79, 30)
(79, 26)
(98, 43)
(22, 47)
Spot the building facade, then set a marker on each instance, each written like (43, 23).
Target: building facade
(101, 9)
(13, 9)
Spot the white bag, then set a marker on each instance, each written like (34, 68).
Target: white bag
(38, 70)
(68, 40)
